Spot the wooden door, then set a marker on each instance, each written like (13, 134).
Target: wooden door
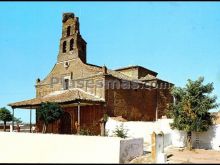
(65, 123)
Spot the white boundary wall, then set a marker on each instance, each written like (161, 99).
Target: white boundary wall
(206, 140)
(140, 129)
(209, 139)
(55, 148)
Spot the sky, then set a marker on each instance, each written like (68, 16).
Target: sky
(179, 40)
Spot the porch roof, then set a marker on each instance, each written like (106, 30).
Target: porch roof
(63, 97)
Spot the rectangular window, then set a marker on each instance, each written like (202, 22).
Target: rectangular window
(66, 84)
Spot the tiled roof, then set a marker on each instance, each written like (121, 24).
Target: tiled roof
(122, 76)
(137, 66)
(119, 75)
(59, 97)
(116, 74)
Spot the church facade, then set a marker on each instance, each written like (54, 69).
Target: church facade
(86, 92)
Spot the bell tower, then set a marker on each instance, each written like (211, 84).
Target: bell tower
(72, 45)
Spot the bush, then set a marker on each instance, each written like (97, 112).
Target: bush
(85, 132)
(120, 131)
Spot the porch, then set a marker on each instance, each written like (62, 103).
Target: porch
(82, 111)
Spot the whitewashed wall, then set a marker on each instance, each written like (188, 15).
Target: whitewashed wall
(178, 138)
(215, 140)
(54, 148)
(167, 139)
(137, 129)
(209, 139)
(206, 140)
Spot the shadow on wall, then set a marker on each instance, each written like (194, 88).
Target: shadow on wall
(167, 139)
(200, 140)
(204, 140)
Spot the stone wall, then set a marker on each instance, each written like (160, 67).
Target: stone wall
(130, 148)
(76, 72)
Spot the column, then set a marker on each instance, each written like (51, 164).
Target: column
(78, 118)
(13, 115)
(30, 119)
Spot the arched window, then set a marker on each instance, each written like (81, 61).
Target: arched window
(71, 44)
(64, 47)
(68, 31)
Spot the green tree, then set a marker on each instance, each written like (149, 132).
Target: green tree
(18, 120)
(5, 115)
(190, 111)
(48, 113)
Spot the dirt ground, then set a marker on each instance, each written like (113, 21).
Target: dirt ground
(145, 159)
(180, 156)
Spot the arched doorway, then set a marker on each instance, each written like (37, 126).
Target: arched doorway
(65, 123)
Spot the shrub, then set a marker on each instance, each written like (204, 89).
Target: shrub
(85, 132)
(120, 131)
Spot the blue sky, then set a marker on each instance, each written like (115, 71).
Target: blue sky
(179, 40)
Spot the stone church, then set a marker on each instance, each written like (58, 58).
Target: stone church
(86, 92)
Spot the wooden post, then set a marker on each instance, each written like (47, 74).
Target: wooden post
(153, 147)
(30, 119)
(13, 119)
(78, 118)
(102, 127)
